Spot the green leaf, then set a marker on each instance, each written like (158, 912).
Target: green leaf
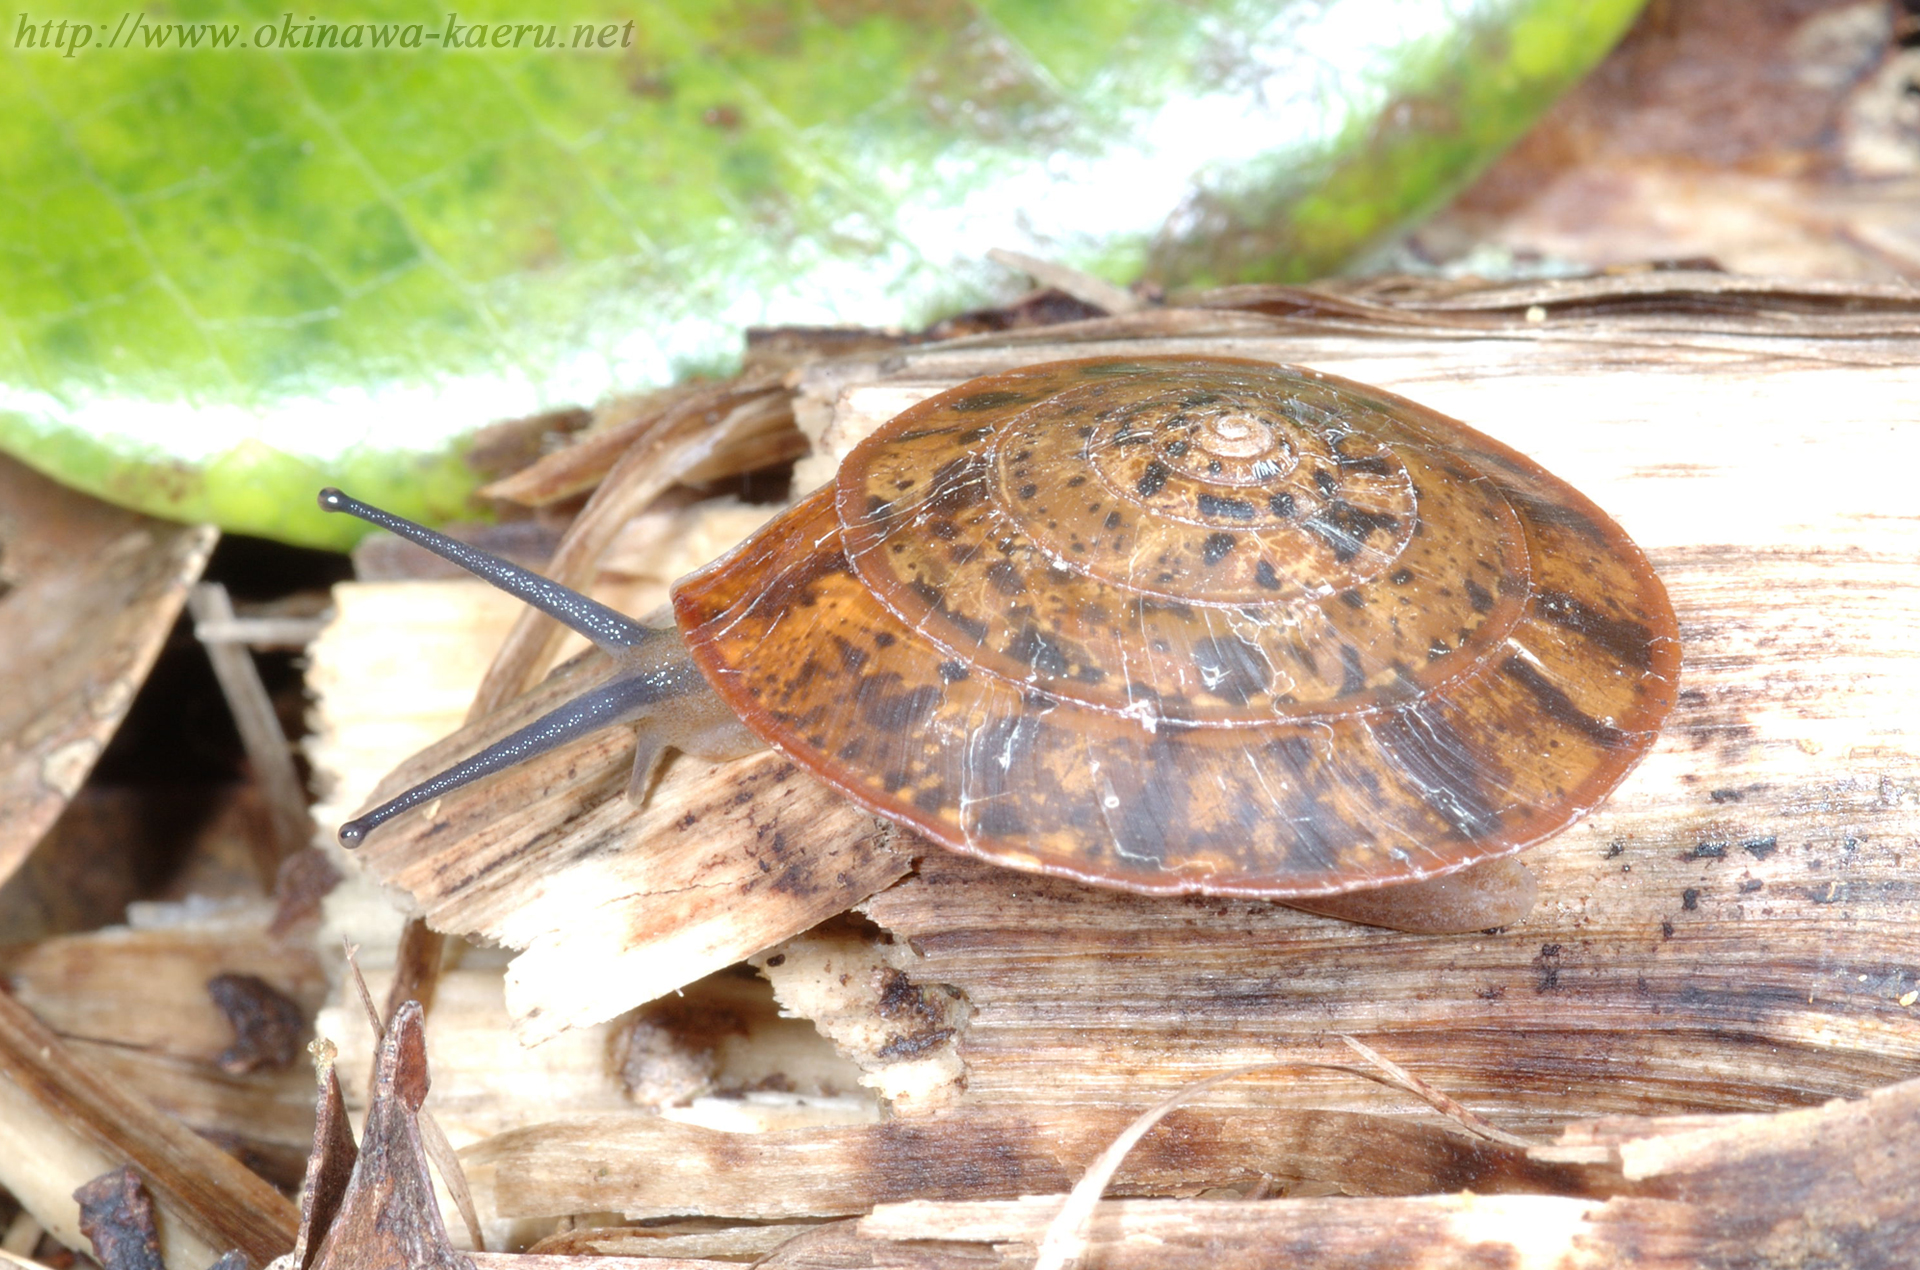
(231, 275)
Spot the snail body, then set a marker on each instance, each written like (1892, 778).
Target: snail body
(1171, 625)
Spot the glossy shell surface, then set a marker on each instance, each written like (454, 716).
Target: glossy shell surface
(1180, 624)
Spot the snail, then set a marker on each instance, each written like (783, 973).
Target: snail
(1163, 624)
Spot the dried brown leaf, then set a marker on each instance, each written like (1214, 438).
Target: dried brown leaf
(268, 1025)
(117, 1218)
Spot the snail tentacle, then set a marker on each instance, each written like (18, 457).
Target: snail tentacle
(610, 630)
(619, 700)
(657, 686)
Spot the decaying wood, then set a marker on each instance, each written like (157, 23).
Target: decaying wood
(136, 1006)
(145, 988)
(58, 1113)
(697, 1239)
(1827, 1186)
(260, 733)
(1733, 931)
(649, 1167)
(717, 1052)
(764, 436)
(759, 828)
(91, 591)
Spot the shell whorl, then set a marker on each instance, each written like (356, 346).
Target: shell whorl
(1180, 624)
(1224, 543)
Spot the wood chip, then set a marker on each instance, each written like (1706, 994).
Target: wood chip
(329, 1167)
(91, 591)
(388, 1219)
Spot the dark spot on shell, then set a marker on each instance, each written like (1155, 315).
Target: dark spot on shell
(1263, 574)
(1559, 706)
(1441, 767)
(1029, 490)
(888, 710)
(1153, 480)
(937, 600)
(1401, 577)
(1043, 654)
(985, 401)
(1353, 599)
(957, 485)
(1345, 528)
(1281, 505)
(851, 656)
(952, 671)
(1479, 597)
(1631, 642)
(1324, 479)
(1233, 669)
(1112, 521)
(1549, 513)
(1352, 677)
(1225, 508)
(1373, 463)
(1005, 578)
(1215, 548)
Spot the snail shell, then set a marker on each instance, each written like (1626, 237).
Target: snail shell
(1183, 624)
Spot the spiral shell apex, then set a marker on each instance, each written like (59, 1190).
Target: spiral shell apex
(1184, 624)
